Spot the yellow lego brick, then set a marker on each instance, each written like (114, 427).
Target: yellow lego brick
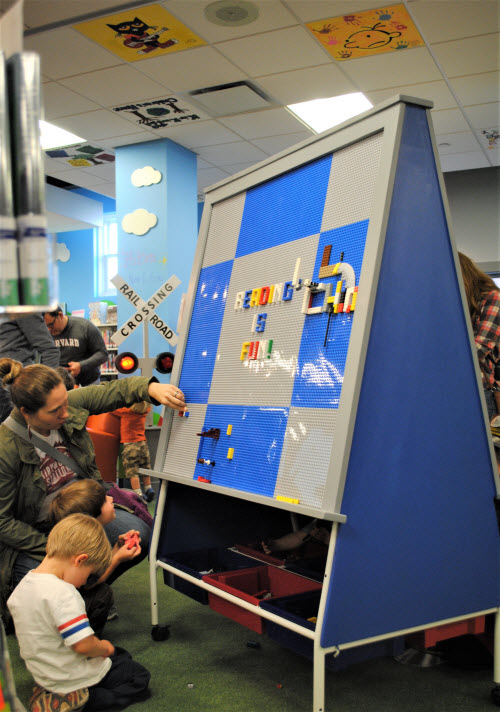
(230, 453)
(291, 500)
(229, 429)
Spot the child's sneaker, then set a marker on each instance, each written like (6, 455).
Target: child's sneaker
(149, 494)
(44, 701)
(112, 613)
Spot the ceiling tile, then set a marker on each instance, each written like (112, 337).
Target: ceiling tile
(436, 92)
(484, 116)
(104, 172)
(463, 161)
(258, 124)
(272, 52)
(449, 120)
(450, 20)
(392, 69)
(468, 56)
(202, 164)
(117, 85)
(194, 69)
(108, 189)
(494, 157)
(60, 101)
(79, 177)
(227, 153)
(275, 144)
(206, 133)
(53, 166)
(57, 174)
(477, 88)
(139, 137)
(38, 13)
(94, 125)
(461, 142)
(237, 167)
(309, 10)
(80, 54)
(271, 14)
(305, 84)
(210, 176)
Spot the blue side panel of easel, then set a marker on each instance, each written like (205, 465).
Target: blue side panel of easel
(421, 540)
(204, 331)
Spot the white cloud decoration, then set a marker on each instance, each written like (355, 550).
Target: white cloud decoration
(62, 252)
(139, 222)
(145, 176)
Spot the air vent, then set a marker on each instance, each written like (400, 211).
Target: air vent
(231, 12)
(225, 99)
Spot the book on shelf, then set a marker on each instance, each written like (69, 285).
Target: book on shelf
(112, 314)
(98, 312)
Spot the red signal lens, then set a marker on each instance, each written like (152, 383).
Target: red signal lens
(164, 362)
(126, 363)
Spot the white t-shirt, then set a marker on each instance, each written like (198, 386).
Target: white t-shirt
(49, 615)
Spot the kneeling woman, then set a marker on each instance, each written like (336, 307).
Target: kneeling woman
(30, 478)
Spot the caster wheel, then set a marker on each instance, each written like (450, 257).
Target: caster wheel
(495, 695)
(160, 632)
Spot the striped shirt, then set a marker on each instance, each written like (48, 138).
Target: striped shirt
(49, 615)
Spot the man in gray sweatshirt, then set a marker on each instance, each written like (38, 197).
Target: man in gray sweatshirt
(81, 346)
(25, 339)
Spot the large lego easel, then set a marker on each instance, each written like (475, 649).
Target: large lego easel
(361, 402)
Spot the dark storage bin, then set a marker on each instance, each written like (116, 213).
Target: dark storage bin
(255, 549)
(303, 606)
(312, 568)
(252, 585)
(201, 561)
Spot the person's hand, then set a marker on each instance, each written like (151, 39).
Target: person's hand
(121, 552)
(74, 367)
(167, 394)
(123, 538)
(265, 547)
(108, 649)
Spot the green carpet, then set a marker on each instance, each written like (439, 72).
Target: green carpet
(206, 666)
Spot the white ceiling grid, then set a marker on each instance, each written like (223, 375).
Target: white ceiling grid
(457, 68)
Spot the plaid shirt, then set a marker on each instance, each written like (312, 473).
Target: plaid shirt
(486, 329)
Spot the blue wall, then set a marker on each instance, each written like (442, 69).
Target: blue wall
(76, 276)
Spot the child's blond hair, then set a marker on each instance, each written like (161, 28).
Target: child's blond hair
(80, 534)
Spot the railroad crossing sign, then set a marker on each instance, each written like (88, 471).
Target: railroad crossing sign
(145, 310)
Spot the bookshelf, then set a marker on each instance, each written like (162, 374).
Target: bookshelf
(108, 369)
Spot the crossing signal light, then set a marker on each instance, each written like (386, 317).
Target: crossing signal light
(164, 362)
(126, 362)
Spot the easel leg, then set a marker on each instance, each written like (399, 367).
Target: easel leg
(318, 679)
(158, 632)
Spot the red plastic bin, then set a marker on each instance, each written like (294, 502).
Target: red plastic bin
(252, 585)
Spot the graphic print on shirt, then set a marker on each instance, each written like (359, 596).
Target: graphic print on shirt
(53, 472)
(66, 342)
